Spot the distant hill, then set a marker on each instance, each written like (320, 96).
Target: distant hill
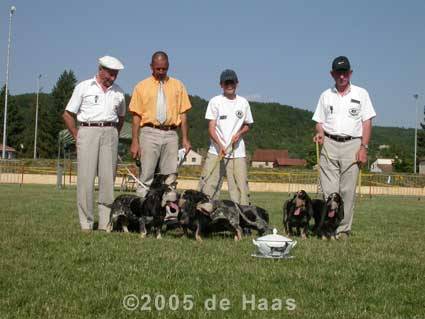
(287, 127)
(276, 126)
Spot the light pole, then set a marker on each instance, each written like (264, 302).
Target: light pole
(36, 117)
(12, 11)
(416, 96)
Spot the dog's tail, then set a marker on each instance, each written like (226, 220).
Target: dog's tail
(104, 204)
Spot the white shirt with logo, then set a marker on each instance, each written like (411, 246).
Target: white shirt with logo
(92, 104)
(229, 115)
(343, 115)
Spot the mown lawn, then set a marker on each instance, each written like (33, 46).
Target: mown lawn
(49, 269)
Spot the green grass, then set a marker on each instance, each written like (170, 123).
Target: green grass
(49, 269)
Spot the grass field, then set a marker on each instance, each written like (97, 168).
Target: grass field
(49, 269)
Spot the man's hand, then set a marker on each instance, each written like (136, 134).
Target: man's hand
(361, 155)
(236, 138)
(75, 134)
(186, 145)
(319, 138)
(135, 149)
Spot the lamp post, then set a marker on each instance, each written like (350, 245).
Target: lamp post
(416, 96)
(12, 11)
(36, 117)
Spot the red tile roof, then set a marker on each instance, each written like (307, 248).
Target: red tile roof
(8, 148)
(268, 155)
(291, 162)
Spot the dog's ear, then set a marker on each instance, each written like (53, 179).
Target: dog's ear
(341, 208)
(171, 180)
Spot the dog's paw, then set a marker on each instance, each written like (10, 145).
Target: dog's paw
(109, 228)
(142, 235)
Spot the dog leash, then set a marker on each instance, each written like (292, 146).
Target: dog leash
(326, 154)
(132, 175)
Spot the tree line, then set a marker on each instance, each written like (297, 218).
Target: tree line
(276, 126)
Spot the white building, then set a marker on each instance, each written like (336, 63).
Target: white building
(192, 158)
(382, 165)
(422, 166)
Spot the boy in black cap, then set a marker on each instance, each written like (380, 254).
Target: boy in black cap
(229, 118)
(344, 124)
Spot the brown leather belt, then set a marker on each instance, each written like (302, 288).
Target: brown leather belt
(98, 124)
(161, 127)
(339, 138)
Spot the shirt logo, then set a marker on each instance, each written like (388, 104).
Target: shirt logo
(355, 101)
(96, 98)
(239, 114)
(223, 117)
(354, 111)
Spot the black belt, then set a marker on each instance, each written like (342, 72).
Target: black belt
(161, 127)
(98, 124)
(339, 138)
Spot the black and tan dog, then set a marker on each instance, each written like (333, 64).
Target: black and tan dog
(133, 213)
(297, 213)
(203, 216)
(254, 217)
(328, 215)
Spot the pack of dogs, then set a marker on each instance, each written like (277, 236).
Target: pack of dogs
(163, 208)
(326, 213)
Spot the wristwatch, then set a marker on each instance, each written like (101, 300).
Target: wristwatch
(365, 146)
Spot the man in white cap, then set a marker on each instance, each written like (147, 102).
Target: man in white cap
(99, 106)
(343, 119)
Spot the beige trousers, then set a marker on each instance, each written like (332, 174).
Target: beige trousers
(235, 170)
(97, 149)
(158, 155)
(335, 158)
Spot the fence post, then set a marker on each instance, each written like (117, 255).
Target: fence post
(70, 171)
(22, 174)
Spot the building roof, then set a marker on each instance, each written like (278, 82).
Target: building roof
(8, 148)
(291, 162)
(385, 161)
(269, 155)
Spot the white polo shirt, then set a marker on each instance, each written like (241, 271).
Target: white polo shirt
(92, 104)
(230, 116)
(343, 115)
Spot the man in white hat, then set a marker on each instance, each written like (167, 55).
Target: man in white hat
(99, 106)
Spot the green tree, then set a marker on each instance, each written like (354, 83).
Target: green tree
(61, 94)
(15, 122)
(421, 139)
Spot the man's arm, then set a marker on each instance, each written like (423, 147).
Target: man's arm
(320, 134)
(120, 124)
(242, 131)
(361, 155)
(185, 132)
(213, 134)
(135, 127)
(69, 120)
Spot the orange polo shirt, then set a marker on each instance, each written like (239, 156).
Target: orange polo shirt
(143, 100)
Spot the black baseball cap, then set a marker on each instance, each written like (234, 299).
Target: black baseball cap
(341, 63)
(228, 75)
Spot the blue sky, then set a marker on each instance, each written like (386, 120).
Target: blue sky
(281, 50)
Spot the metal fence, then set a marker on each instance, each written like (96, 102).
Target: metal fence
(20, 172)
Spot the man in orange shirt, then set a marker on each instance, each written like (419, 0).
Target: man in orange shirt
(159, 105)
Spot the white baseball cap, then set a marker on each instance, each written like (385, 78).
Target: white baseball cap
(111, 63)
